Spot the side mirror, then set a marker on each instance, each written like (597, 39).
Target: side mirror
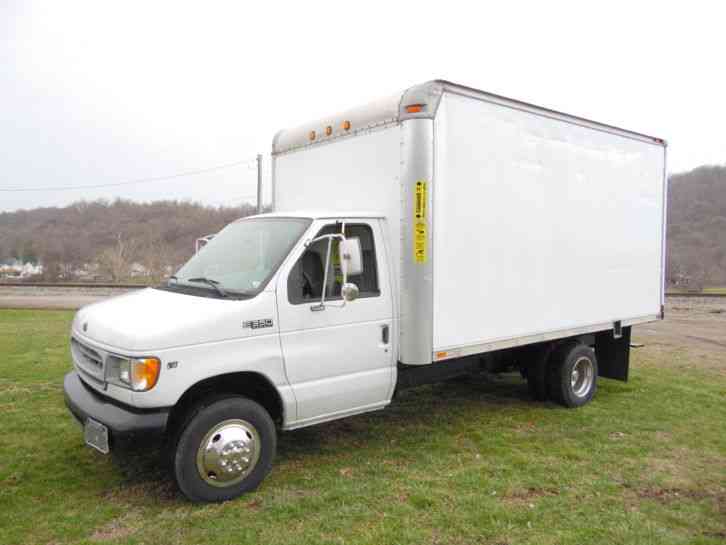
(351, 263)
(349, 291)
(351, 257)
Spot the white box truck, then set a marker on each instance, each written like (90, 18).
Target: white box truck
(441, 232)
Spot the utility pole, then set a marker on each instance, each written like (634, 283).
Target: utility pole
(259, 183)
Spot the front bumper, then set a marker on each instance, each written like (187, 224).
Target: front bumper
(126, 425)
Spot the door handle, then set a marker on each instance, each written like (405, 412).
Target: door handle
(384, 334)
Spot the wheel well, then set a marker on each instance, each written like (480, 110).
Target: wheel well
(251, 385)
(528, 354)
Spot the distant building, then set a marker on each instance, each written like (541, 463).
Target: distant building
(16, 269)
(137, 269)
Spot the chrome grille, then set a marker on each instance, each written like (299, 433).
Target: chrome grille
(87, 359)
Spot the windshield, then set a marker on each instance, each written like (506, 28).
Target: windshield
(243, 256)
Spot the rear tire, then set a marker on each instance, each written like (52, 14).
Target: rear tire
(225, 449)
(572, 376)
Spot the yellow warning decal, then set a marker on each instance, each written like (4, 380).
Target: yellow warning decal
(420, 202)
(419, 242)
(420, 228)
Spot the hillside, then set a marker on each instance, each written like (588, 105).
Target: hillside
(697, 227)
(113, 236)
(110, 236)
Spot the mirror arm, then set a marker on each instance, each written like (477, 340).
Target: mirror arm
(321, 304)
(325, 274)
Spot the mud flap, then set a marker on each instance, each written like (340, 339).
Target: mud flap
(613, 355)
(537, 373)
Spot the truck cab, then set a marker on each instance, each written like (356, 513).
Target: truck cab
(269, 309)
(503, 237)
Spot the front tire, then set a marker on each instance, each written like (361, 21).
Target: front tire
(225, 450)
(573, 375)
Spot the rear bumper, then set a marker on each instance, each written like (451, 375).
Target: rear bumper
(125, 424)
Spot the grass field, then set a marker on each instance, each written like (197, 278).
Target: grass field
(705, 291)
(459, 463)
(721, 290)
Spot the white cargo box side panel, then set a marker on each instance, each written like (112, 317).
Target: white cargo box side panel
(540, 225)
(357, 173)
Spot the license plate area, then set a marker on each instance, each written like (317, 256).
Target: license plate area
(96, 435)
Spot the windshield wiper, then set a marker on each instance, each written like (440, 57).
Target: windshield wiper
(216, 285)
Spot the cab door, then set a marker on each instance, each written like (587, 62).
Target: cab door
(338, 359)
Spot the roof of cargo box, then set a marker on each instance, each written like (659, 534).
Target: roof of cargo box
(318, 214)
(419, 101)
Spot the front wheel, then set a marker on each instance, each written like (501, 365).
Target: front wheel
(573, 375)
(225, 450)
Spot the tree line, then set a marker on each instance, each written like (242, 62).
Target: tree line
(696, 235)
(111, 240)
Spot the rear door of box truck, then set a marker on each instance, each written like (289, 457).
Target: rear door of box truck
(542, 226)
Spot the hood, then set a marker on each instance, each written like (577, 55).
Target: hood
(151, 319)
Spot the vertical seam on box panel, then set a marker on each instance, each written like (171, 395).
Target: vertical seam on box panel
(664, 227)
(401, 241)
(432, 230)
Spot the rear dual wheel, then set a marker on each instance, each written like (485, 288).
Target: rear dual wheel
(568, 375)
(572, 376)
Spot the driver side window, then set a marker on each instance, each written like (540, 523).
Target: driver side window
(305, 282)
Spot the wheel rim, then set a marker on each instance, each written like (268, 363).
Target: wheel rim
(228, 453)
(582, 376)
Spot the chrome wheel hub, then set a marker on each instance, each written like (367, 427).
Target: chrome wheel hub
(582, 376)
(228, 453)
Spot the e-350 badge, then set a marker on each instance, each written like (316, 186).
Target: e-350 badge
(258, 324)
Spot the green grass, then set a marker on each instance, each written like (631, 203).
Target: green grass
(715, 290)
(459, 463)
(709, 290)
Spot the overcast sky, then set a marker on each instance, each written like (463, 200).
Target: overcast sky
(109, 92)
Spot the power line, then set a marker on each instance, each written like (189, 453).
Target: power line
(132, 182)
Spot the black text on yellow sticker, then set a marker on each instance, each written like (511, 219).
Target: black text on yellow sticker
(419, 224)
(420, 201)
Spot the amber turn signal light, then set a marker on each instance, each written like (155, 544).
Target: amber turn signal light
(144, 373)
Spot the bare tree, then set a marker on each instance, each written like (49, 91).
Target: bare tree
(115, 261)
(155, 255)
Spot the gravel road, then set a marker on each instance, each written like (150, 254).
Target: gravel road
(53, 298)
(696, 323)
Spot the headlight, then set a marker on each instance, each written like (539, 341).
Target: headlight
(138, 374)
